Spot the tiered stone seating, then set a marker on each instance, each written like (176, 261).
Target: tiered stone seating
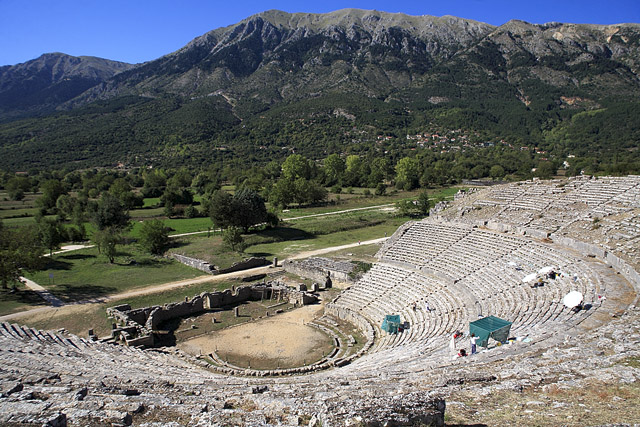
(595, 192)
(424, 241)
(471, 253)
(461, 272)
(436, 275)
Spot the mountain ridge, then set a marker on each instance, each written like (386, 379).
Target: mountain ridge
(40, 85)
(255, 83)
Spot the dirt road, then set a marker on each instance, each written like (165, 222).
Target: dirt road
(187, 282)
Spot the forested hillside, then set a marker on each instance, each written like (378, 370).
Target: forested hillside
(356, 82)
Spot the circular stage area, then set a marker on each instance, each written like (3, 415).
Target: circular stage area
(283, 341)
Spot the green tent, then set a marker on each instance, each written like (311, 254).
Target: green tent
(490, 326)
(391, 323)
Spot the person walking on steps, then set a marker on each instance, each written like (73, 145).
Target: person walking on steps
(473, 340)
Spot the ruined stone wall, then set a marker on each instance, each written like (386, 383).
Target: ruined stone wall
(195, 263)
(300, 298)
(206, 267)
(170, 311)
(243, 265)
(316, 269)
(139, 324)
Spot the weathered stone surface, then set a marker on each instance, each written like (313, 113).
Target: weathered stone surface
(394, 379)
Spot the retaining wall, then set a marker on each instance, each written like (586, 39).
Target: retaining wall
(195, 263)
(201, 265)
(317, 268)
(243, 265)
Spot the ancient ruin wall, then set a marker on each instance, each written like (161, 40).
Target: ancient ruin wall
(206, 267)
(246, 264)
(195, 263)
(317, 268)
(139, 324)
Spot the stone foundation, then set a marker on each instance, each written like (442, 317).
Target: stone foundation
(317, 268)
(206, 267)
(138, 326)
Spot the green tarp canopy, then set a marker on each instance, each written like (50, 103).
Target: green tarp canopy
(490, 326)
(391, 323)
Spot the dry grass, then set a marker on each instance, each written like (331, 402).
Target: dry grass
(594, 403)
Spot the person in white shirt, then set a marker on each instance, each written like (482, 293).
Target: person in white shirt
(473, 340)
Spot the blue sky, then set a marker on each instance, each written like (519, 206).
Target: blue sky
(139, 30)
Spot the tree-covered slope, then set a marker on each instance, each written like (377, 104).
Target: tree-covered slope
(337, 82)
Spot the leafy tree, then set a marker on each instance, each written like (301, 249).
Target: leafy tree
(17, 187)
(407, 208)
(154, 184)
(220, 209)
(19, 250)
(176, 196)
(169, 209)
(248, 209)
(378, 171)
(78, 214)
(282, 193)
(272, 219)
(76, 233)
(181, 179)
(272, 170)
(123, 191)
(51, 233)
(65, 205)
(381, 189)
(308, 192)
(232, 237)
(106, 240)
(496, 172)
(334, 167)
(51, 190)
(545, 170)
(154, 236)
(423, 203)
(119, 187)
(296, 166)
(353, 170)
(205, 183)
(109, 213)
(191, 212)
(407, 173)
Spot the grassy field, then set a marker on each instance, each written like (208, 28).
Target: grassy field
(22, 299)
(85, 274)
(294, 236)
(210, 249)
(287, 248)
(365, 253)
(357, 200)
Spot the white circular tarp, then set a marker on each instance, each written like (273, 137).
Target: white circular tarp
(572, 299)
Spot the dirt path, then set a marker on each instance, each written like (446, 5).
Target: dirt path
(187, 282)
